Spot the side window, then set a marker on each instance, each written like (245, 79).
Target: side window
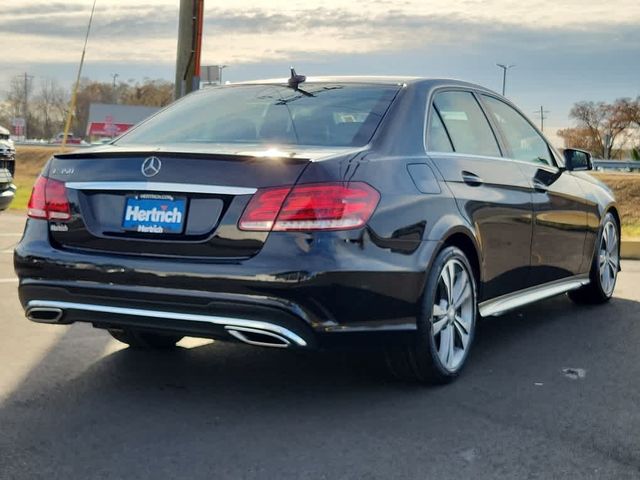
(524, 142)
(467, 126)
(437, 137)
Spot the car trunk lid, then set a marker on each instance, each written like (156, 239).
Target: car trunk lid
(170, 201)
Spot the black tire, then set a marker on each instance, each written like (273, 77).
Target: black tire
(146, 340)
(419, 360)
(595, 292)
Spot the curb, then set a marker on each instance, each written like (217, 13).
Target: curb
(630, 249)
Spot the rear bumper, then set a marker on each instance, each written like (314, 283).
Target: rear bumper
(361, 289)
(6, 197)
(254, 332)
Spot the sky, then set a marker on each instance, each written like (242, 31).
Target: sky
(564, 51)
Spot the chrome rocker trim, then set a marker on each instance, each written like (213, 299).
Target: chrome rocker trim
(498, 306)
(165, 187)
(229, 323)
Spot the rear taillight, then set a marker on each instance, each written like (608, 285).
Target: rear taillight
(49, 200)
(321, 206)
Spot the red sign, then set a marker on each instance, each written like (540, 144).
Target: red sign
(107, 129)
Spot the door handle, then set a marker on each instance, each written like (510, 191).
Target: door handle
(471, 179)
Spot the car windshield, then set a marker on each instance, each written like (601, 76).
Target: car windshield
(322, 114)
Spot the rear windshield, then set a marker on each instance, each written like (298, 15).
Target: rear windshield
(323, 115)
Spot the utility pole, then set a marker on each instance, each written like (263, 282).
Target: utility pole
(25, 107)
(74, 92)
(113, 87)
(504, 75)
(542, 113)
(189, 47)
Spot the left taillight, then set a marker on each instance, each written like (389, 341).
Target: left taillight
(49, 200)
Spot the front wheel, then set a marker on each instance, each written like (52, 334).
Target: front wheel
(446, 324)
(604, 267)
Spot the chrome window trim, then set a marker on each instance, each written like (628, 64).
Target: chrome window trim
(477, 91)
(188, 317)
(502, 159)
(498, 306)
(165, 187)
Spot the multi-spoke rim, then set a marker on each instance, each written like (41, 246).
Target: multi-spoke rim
(453, 316)
(608, 257)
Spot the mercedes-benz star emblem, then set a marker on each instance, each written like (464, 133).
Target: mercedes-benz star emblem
(151, 166)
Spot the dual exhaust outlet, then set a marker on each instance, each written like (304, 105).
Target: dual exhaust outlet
(248, 335)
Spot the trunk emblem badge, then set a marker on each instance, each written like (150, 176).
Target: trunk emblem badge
(151, 166)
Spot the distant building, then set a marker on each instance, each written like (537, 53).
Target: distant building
(106, 120)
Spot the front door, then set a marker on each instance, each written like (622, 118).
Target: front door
(560, 210)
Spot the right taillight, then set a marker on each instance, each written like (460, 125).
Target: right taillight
(320, 206)
(49, 200)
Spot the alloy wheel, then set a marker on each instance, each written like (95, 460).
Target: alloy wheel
(453, 317)
(608, 257)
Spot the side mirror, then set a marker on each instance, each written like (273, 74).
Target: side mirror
(577, 160)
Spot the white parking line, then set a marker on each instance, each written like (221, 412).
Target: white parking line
(7, 251)
(8, 280)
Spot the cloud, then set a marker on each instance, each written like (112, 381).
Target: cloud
(147, 32)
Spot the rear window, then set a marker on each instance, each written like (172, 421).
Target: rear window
(324, 115)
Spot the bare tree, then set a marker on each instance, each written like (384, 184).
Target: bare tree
(16, 95)
(601, 125)
(50, 104)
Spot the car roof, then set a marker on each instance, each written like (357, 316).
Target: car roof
(371, 79)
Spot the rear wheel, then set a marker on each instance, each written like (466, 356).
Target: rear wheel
(446, 325)
(139, 339)
(604, 267)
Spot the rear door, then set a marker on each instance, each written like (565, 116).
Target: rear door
(491, 191)
(560, 210)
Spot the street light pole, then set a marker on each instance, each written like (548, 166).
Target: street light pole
(504, 75)
(221, 67)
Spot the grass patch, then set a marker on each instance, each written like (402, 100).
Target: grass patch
(626, 187)
(630, 232)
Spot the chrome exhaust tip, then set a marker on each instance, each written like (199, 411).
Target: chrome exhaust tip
(45, 314)
(256, 337)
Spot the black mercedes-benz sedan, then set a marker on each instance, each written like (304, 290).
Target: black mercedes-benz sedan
(308, 213)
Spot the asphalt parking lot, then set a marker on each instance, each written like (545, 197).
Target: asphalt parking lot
(76, 404)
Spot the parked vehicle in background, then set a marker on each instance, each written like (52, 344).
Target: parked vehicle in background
(7, 168)
(7, 147)
(71, 139)
(310, 213)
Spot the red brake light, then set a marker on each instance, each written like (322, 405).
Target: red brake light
(49, 200)
(263, 208)
(322, 206)
(37, 207)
